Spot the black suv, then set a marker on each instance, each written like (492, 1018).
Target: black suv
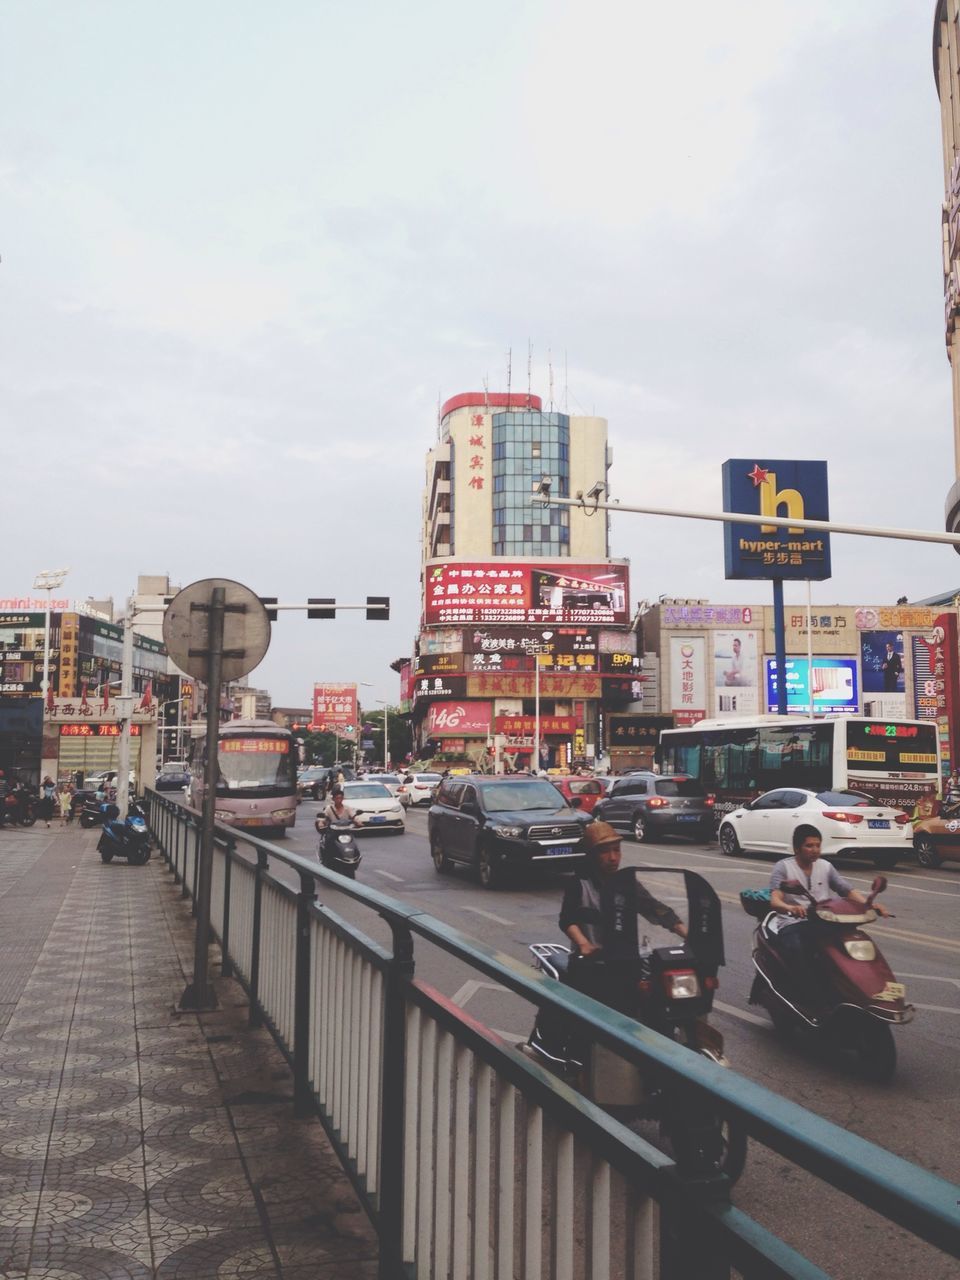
(646, 804)
(500, 823)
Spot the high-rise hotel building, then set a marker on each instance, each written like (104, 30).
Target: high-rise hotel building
(509, 586)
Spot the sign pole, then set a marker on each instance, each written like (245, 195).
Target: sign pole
(199, 994)
(780, 645)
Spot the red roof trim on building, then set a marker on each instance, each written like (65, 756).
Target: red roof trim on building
(492, 399)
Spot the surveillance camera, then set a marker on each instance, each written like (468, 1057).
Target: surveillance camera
(597, 491)
(543, 488)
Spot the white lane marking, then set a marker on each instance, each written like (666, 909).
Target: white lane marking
(488, 915)
(389, 875)
(470, 989)
(742, 1014)
(933, 977)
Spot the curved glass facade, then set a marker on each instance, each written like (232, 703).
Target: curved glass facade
(527, 447)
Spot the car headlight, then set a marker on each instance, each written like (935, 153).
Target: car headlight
(397, 808)
(860, 949)
(224, 815)
(509, 833)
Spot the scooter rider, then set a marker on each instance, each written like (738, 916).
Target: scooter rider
(580, 915)
(792, 926)
(337, 812)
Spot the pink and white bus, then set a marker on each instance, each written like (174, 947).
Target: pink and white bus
(257, 787)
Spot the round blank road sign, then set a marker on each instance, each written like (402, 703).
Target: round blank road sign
(246, 628)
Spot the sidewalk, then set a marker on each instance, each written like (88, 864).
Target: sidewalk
(136, 1141)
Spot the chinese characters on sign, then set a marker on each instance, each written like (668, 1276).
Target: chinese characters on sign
(96, 731)
(460, 592)
(688, 697)
(335, 709)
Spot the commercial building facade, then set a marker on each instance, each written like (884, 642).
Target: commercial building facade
(946, 70)
(518, 599)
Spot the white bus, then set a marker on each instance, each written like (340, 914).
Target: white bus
(895, 762)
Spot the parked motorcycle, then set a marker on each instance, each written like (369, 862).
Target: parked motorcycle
(129, 839)
(669, 989)
(20, 807)
(854, 999)
(338, 847)
(95, 813)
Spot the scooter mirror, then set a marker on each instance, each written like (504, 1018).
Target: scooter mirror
(878, 886)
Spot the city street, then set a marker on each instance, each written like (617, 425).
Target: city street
(916, 1116)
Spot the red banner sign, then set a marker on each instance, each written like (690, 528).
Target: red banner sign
(335, 709)
(96, 731)
(463, 719)
(553, 593)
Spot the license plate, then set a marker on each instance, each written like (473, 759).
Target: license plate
(878, 824)
(688, 817)
(376, 817)
(559, 850)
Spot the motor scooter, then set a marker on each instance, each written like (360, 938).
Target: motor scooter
(338, 848)
(96, 812)
(20, 807)
(669, 989)
(853, 998)
(129, 839)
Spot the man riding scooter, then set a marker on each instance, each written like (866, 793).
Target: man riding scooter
(336, 814)
(794, 932)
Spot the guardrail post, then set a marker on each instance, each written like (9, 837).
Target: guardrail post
(226, 964)
(302, 1102)
(256, 1018)
(392, 1091)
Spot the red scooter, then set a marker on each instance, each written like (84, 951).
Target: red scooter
(857, 1000)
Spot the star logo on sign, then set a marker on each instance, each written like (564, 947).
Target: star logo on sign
(757, 475)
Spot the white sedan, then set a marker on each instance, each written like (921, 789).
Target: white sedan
(375, 806)
(419, 788)
(850, 824)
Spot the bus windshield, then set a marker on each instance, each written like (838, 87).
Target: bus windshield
(254, 764)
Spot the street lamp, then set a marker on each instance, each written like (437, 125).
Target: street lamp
(386, 740)
(48, 580)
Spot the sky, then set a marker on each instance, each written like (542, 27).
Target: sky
(246, 250)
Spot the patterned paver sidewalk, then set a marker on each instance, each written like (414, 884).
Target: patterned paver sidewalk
(136, 1141)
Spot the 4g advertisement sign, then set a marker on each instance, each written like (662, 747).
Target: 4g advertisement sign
(335, 709)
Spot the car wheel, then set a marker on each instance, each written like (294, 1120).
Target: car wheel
(488, 872)
(927, 854)
(441, 862)
(639, 828)
(729, 844)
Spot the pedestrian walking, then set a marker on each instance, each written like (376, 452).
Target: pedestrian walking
(65, 796)
(48, 796)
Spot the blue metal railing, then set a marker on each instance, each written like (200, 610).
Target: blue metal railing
(417, 1097)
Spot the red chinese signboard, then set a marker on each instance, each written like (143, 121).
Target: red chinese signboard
(96, 731)
(503, 685)
(460, 718)
(518, 726)
(936, 686)
(506, 591)
(335, 709)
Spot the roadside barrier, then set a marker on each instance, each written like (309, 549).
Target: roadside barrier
(472, 1161)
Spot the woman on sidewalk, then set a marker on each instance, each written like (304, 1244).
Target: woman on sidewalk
(48, 793)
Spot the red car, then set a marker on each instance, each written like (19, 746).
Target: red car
(587, 790)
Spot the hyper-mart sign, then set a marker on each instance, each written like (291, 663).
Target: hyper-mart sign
(335, 709)
(510, 591)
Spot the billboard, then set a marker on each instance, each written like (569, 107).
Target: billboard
(834, 686)
(459, 719)
(335, 709)
(688, 685)
(735, 673)
(936, 687)
(776, 488)
(881, 662)
(553, 593)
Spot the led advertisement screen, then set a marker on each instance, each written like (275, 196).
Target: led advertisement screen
(551, 593)
(835, 687)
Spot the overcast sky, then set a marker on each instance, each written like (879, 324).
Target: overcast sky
(247, 248)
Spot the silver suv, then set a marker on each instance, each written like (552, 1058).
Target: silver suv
(649, 804)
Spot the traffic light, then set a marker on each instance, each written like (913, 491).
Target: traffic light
(321, 613)
(378, 608)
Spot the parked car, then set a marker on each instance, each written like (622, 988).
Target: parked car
(376, 808)
(418, 788)
(311, 781)
(937, 838)
(172, 779)
(850, 823)
(497, 824)
(653, 804)
(589, 791)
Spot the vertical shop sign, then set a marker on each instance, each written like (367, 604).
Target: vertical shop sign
(688, 699)
(936, 688)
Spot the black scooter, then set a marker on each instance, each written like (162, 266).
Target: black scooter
(129, 839)
(96, 812)
(669, 989)
(338, 848)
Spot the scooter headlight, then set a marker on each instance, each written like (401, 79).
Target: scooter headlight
(344, 839)
(681, 984)
(860, 949)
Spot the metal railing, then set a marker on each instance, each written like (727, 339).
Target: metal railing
(471, 1160)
